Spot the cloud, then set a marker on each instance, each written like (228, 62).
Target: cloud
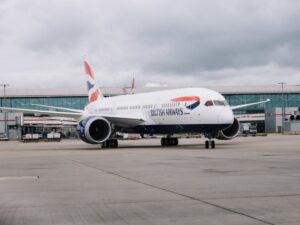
(174, 42)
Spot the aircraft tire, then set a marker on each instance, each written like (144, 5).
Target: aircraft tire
(171, 142)
(105, 144)
(206, 144)
(113, 143)
(116, 144)
(110, 144)
(163, 141)
(175, 141)
(213, 145)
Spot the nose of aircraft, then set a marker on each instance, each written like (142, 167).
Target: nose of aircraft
(226, 116)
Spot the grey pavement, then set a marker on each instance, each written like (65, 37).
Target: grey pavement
(249, 180)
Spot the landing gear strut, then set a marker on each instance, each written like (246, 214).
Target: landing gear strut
(111, 143)
(210, 143)
(169, 141)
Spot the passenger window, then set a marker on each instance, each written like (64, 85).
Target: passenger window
(209, 103)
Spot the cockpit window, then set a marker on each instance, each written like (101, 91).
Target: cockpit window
(220, 103)
(209, 103)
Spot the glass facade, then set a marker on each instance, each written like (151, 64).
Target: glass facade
(78, 102)
(277, 100)
(26, 102)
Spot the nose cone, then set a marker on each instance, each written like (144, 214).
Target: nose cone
(226, 116)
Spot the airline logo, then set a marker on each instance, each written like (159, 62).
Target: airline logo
(191, 101)
(93, 91)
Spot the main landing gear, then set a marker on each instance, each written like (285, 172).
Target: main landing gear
(210, 143)
(111, 143)
(169, 141)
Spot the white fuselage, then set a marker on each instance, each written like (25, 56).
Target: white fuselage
(171, 107)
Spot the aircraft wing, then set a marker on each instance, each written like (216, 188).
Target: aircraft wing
(44, 112)
(119, 120)
(124, 120)
(61, 108)
(249, 104)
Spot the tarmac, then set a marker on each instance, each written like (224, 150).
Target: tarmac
(248, 180)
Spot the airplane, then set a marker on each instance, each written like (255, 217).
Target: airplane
(168, 113)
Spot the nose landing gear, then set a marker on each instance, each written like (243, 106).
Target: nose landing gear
(210, 143)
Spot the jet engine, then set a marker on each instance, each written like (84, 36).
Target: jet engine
(94, 130)
(230, 132)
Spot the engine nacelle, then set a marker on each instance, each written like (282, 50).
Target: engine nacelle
(230, 132)
(94, 130)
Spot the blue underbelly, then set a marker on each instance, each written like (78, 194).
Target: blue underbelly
(175, 129)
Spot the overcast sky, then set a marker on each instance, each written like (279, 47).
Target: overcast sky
(166, 42)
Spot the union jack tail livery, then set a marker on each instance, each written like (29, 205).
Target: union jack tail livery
(92, 86)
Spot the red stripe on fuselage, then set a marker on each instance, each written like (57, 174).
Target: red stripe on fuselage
(186, 99)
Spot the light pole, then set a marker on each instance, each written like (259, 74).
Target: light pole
(5, 114)
(283, 106)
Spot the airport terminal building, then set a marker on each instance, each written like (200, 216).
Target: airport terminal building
(289, 97)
